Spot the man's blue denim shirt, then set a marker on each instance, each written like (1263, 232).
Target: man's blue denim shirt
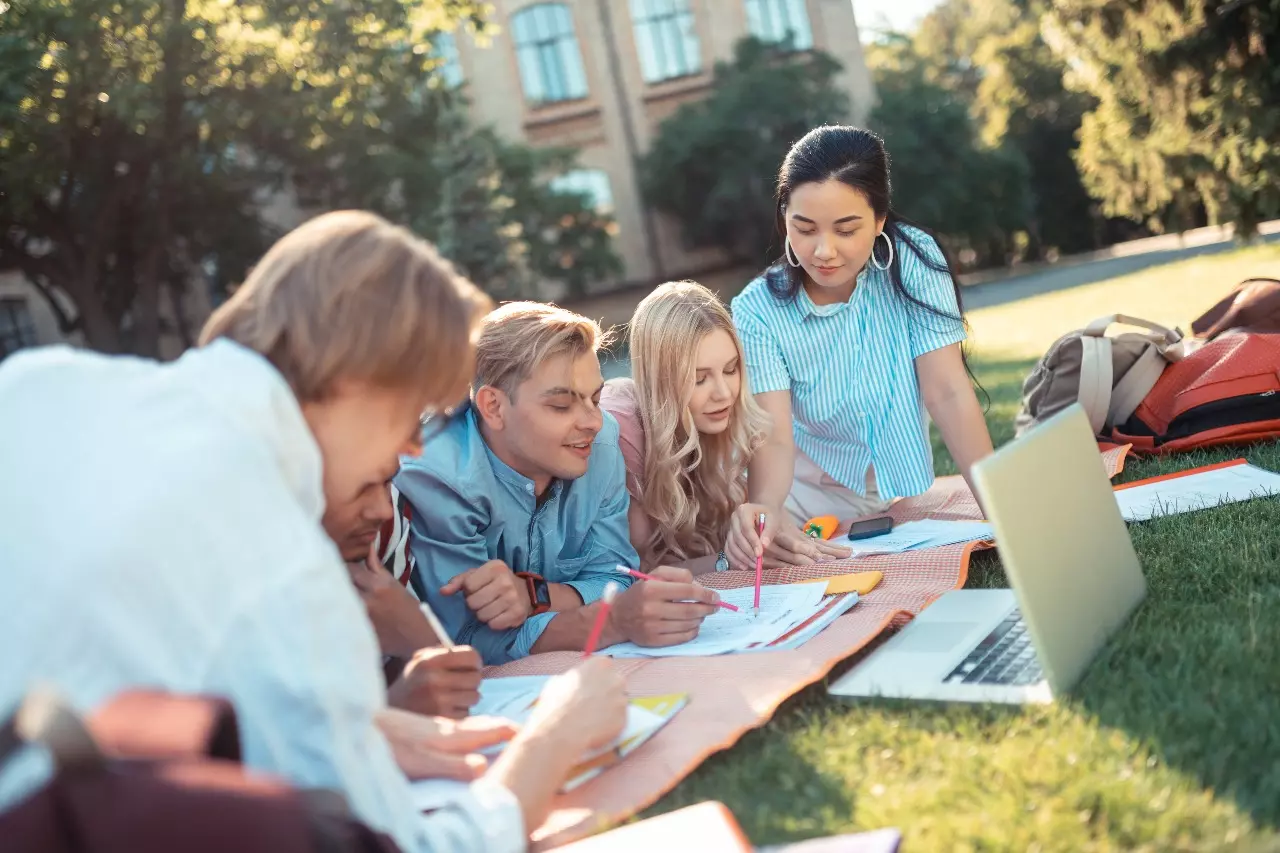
(470, 507)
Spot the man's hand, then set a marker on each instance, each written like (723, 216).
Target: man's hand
(438, 682)
(497, 597)
(429, 747)
(394, 611)
(663, 612)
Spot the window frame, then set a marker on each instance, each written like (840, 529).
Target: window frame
(538, 45)
(580, 181)
(779, 14)
(674, 25)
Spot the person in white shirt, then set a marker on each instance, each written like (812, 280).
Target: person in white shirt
(160, 525)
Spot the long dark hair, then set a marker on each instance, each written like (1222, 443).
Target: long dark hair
(857, 158)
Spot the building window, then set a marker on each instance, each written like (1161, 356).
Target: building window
(665, 39)
(548, 54)
(591, 184)
(445, 48)
(777, 21)
(17, 330)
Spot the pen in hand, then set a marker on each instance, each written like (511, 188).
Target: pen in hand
(644, 577)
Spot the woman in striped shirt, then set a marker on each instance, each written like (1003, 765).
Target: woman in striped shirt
(852, 341)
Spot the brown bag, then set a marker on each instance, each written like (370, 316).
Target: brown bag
(152, 772)
(1253, 306)
(1108, 376)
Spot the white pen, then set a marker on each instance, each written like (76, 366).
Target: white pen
(445, 639)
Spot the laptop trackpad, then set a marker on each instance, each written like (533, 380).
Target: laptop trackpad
(933, 637)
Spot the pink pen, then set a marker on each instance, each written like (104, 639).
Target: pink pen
(755, 611)
(641, 576)
(606, 602)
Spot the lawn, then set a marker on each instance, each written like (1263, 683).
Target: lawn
(1170, 742)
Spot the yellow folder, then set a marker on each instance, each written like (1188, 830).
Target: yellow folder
(859, 582)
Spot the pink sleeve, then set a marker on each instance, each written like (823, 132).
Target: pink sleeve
(619, 400)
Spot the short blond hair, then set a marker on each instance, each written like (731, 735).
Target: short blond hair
(349, 296)
(517, 337)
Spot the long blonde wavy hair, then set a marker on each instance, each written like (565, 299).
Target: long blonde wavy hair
(691, 483)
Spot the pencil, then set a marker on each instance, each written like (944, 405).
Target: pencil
(641, 576)
(759, 565)
(606, 602)
(434, 622)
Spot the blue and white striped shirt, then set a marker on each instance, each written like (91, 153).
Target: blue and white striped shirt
(850, 368)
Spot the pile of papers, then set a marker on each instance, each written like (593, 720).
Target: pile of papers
(514, 699)
(1202, 490)
(918, 535)
(790, 615)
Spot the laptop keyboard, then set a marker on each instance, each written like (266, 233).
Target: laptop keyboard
(1005, 656)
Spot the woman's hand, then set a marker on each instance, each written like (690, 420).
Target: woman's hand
(781, 544)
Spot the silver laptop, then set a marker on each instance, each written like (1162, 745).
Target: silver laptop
(1072, 566)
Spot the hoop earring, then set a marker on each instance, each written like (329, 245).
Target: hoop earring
(889, 243)
(790, 253)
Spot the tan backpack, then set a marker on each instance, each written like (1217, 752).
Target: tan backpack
(1108, 376)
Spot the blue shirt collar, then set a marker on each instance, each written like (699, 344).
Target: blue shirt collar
(502, 470)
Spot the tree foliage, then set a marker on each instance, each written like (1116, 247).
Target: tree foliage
(943, 175)
(1188, 105)
(713, 163)
(990, 53)
(139, 141)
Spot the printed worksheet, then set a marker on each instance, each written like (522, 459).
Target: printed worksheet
(782, 607)
(1194, 492)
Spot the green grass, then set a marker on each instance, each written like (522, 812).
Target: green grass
(1170, 742)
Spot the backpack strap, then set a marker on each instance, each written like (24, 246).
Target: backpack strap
(1160, 335)
(1106, 401)
(1135, 385)
(1096, 377)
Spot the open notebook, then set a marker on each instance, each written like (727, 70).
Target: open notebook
(514, 698)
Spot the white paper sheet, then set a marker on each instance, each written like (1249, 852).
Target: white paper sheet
(916, 535)
(782, 607)
(1196, 492)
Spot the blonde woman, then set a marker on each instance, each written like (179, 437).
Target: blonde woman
(688, 427)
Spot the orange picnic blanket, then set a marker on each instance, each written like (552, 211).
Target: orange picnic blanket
(731, 694)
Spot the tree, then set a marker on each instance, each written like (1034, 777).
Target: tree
(992, 55)
(942, 175)
(124, 126)
(140, 139)
(713, 163)
(1188, 105)
(485, 203)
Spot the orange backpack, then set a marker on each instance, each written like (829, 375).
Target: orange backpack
(1225, 392)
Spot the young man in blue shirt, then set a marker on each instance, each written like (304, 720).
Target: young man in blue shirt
(520, 503)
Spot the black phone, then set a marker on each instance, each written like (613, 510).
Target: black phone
(871, 527)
